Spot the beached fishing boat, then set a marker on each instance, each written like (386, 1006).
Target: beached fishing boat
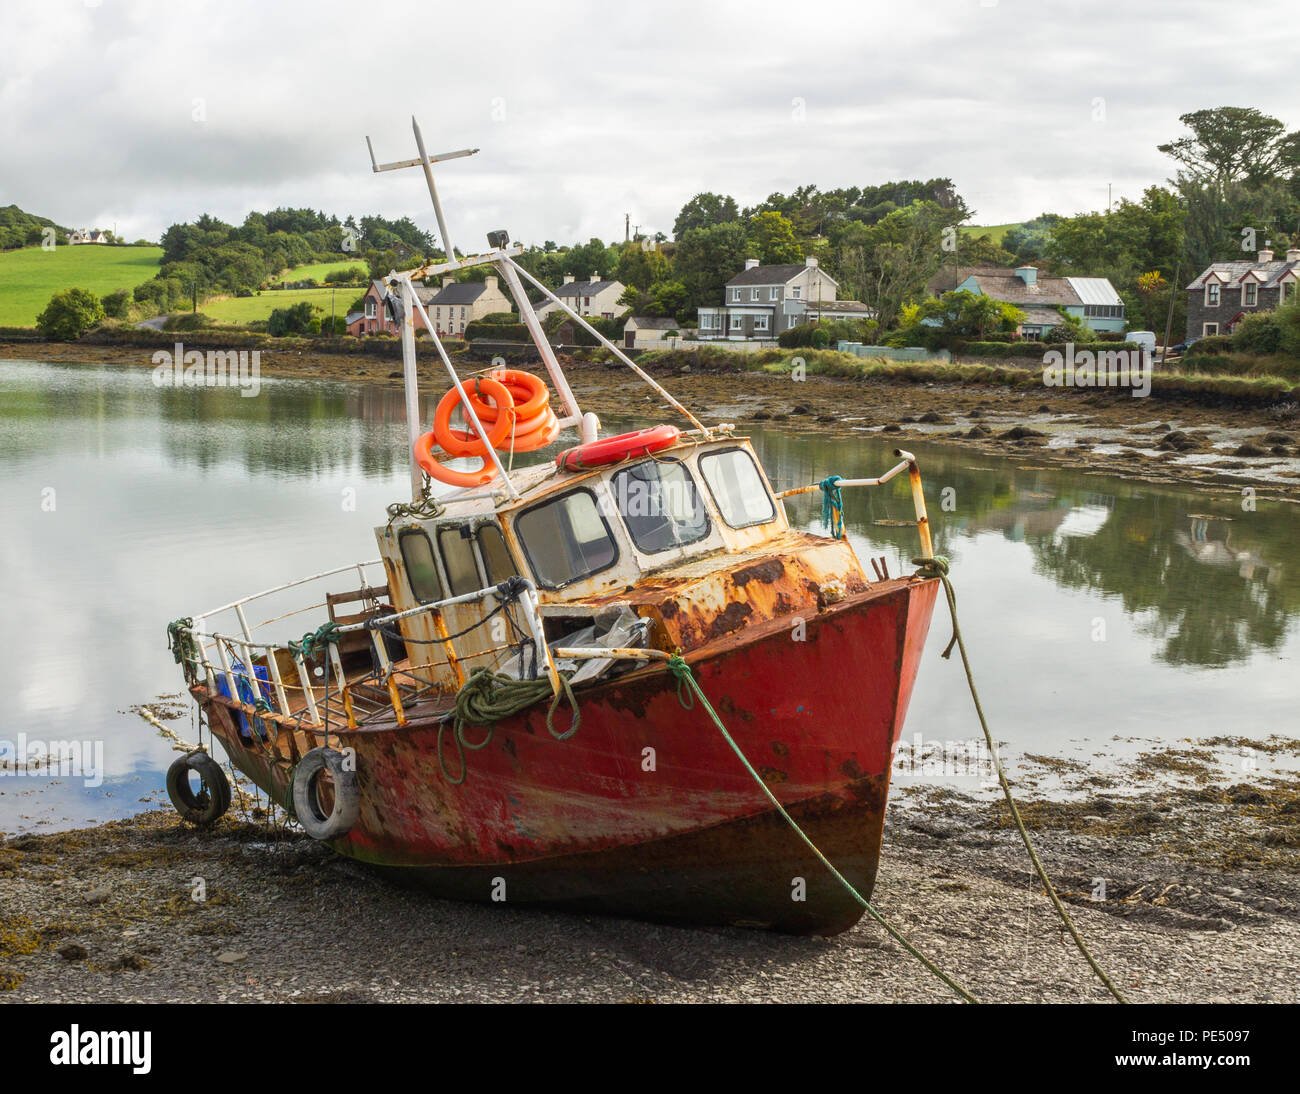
(493, 708)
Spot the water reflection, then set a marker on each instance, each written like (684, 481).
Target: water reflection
(170, 500)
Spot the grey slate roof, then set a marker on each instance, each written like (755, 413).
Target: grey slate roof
(583, 288)
(353, 316)
(653, 322)
(1235, 271)
(458, 292)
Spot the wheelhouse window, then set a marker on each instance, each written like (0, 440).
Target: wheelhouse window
(737, 487)
(566, 539)
(660, 505)
(458, 558)
(421, 567)
(496, 556)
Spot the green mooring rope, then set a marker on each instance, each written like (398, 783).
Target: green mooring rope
(180, 640)
(686, 680)
(314, 642)
(487, 697)
(938, 567)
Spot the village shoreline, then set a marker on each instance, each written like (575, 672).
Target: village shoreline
(1158, 440)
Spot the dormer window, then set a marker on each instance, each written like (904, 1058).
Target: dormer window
(1250, 294)
(1211, 294)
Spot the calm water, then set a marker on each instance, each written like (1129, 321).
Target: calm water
(1102, 614)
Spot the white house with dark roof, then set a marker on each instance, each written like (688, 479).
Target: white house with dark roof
(450, 306)
(459, 303)
(594, 297)
(1226, 292)
(762, 301)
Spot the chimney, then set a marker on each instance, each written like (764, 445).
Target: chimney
(490, 282)
(568, 279)
(1293, 254)
(595, 275)
(1028, 274)
(751, 263)
(448, 281)
(810, 261)
(1265, 256)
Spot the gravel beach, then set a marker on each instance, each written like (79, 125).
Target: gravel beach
(1199, 901)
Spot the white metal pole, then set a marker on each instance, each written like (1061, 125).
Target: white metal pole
(410, 379)
(615, 350)
(433, 190)
(534, 325)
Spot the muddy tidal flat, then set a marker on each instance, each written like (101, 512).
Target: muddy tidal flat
(1184, 895)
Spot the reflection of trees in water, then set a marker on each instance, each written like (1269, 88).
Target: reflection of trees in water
(294, 428)
(1211, 590)
(1211, 603)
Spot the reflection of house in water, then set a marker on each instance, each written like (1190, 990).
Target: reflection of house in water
(1028, 516)
(1208, 541)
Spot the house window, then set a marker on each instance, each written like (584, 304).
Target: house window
(796, 292)
(1250, 294)
(1208, 329)
(735, 296)
(370, 307)
(773, 293)
(1212, 294)
(760, 322)
(737, 323)
(462, 313)
(1285, 292)
(753, 294)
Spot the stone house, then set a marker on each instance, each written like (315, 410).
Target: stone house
(1226, 292)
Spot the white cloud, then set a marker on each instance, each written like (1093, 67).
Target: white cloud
(143, 113)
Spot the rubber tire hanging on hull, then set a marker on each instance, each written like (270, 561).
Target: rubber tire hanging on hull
(306, 804)
(213, 798)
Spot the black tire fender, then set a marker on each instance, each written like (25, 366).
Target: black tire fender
(213, 797)
(306, 804)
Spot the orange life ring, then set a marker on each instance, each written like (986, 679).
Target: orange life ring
(460, 442)
(436, 470)
(625, 446)
(528, 391)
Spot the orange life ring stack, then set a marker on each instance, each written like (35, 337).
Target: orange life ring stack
(513, 406)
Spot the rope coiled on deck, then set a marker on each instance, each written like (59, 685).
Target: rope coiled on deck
(487, 697)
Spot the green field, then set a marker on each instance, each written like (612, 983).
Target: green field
(995, 231)
(238, 310)
(30, 276)
(318, 270)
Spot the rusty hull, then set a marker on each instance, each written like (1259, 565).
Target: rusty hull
(811, 670)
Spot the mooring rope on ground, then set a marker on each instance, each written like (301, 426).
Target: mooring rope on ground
(938, 567)
(685, 678)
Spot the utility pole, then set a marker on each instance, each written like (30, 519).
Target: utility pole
(627, 227)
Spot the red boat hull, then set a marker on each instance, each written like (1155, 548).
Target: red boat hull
(646, 811)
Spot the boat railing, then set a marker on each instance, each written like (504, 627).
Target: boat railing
(220, 656)
(907, 462)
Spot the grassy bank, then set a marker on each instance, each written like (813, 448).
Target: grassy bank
(30, 276)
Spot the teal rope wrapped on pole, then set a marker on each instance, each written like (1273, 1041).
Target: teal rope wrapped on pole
(833, 505)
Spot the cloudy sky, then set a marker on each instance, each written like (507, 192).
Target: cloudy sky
(140, 113)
